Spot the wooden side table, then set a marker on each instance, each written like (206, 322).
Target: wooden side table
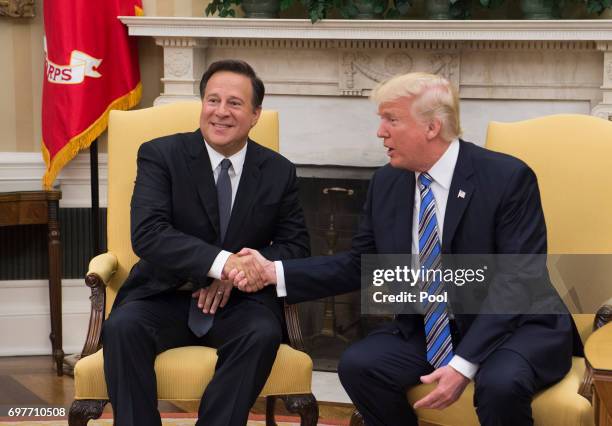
(598, 352)
(41, 208)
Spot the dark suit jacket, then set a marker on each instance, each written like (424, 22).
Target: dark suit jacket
(175, 219)
(500, 213)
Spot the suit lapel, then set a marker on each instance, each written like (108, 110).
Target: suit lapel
(199, 166)
(459, 195)
(402, 226)
(247, 188)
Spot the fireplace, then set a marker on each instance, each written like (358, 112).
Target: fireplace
(332, 206)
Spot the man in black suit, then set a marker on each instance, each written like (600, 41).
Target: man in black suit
(439, 195)
(198, 198)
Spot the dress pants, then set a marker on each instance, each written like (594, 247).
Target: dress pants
(246, 333)
(377, 371)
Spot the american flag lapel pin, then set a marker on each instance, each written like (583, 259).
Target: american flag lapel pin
(461, 194)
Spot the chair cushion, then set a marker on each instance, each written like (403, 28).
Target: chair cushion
(183, 374)
(559, 405)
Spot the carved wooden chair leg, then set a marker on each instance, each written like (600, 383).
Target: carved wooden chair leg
(270, 409)
(305, 405)
(84, 410)
(356, 419)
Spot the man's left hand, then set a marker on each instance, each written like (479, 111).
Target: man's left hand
(214, 296)
(451, 385)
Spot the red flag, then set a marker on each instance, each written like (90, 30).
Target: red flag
(91, 67)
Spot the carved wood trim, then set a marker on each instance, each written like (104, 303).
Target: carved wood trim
(356, 419)
(586, 387)
(17, 8)
(602, 317)
(96, 316)
(305, 405)
(293, 327)
(83, 410)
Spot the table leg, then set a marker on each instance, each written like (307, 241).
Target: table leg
(55, 285)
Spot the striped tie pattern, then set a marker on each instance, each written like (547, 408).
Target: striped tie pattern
(437, 327)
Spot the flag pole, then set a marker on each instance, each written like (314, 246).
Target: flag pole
(95, 197)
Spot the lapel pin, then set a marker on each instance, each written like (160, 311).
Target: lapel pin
(461, 194)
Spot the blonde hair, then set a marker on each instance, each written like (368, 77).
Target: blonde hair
(434, 97)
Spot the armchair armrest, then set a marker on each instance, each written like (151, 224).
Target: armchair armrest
(598, 353)
(598, 349)
(602, 317)
(104, 266)
(101, 269)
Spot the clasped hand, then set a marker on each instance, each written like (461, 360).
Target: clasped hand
(249, 271)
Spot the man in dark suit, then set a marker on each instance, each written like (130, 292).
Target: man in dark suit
(198, 198)
(438, 195)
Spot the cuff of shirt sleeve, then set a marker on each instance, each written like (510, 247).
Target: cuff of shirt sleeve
(216, 270)
(281, 289)
(463, 366)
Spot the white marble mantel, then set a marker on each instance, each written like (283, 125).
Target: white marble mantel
(346, 29)
(319, 75)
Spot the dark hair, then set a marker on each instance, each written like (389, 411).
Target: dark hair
(239, 67)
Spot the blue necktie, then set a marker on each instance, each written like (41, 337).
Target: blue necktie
(224, 197)
(437, 328)
(199, 322)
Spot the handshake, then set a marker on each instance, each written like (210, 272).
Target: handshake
(249, 271)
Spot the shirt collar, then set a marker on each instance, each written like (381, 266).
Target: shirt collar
(237, 159)
(442, 171)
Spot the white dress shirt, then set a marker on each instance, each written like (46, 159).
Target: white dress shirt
(442, 174)
(234, 172)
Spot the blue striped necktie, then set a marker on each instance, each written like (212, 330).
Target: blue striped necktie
(437, 328)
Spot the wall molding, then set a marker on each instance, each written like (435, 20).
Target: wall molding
(23, 171)
(24, 306)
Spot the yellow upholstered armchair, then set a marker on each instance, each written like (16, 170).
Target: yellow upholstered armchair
(571, 156)
(182, 373)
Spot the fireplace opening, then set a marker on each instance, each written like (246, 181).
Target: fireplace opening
(332, 207)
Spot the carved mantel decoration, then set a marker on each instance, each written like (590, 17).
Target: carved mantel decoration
(317, 71)
(361, 70)
(17, 8)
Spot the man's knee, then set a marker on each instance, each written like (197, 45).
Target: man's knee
(357, 368)
(121, 326)
(502, 389)
(352, 363)
(264, 334)
(268, 336)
